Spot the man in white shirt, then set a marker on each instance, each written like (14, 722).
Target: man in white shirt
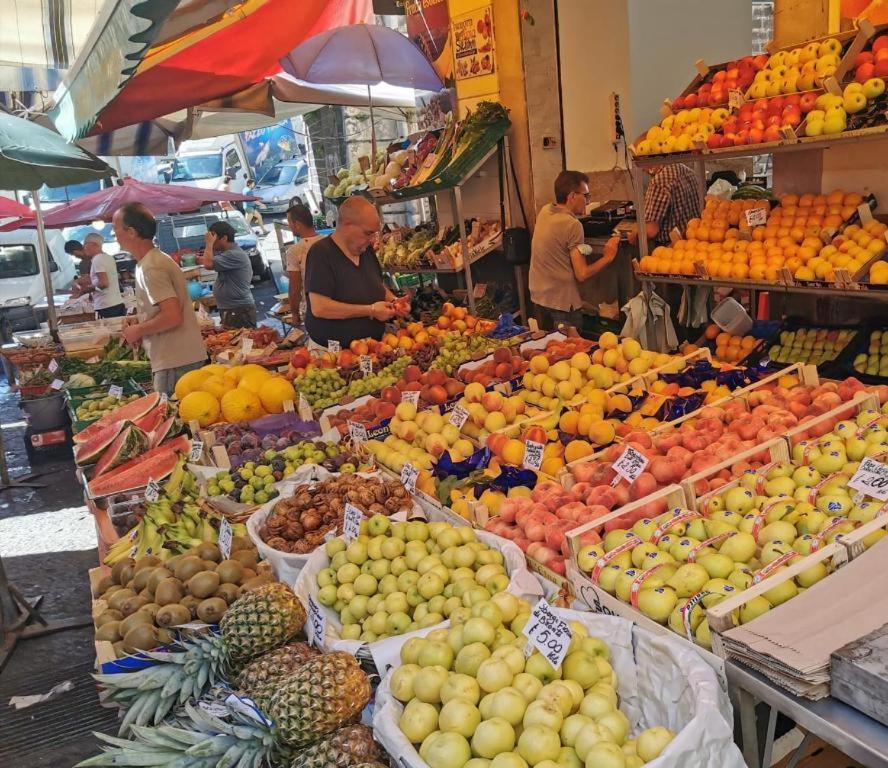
(103, 282)
(301, 223)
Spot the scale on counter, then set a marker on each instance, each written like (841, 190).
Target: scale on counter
(601, 220)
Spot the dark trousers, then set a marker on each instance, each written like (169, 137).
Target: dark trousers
(118, 310)
(240, 317)
(550, 319)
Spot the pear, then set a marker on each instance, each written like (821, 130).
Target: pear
(741, 578)
(608, 578)
(782, 592)
(719, 589)
(703, 636)
(688, 579)
(804, 544)
(779, 530)
(740, 547)
(751, 610)
(676, 619)
(774, 550)
(657, 603)
(641, 551)
(716, 528)
(812, 575)
(682, 547)
(718, 566)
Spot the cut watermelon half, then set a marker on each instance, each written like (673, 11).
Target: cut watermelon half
(132, 411)
(161, 431)
(155, 464)
(148, 423)
(89, 452)
(130, 443)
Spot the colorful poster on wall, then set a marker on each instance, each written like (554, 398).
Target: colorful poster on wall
(265, 147)
(428, 26)
(473, 44)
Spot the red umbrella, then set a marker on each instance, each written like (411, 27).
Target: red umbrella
(159, 198)
(13, 214)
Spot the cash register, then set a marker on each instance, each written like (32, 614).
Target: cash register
(601, 218)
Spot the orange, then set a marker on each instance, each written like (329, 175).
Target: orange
(739, 271)
(806, 200)
(747, 342)
(836, 197)
(853, 199)
(757, 272)
(724, 270)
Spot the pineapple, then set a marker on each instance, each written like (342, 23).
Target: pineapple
(316, 699)
(258, 621)
(349, 746)
(272, 665)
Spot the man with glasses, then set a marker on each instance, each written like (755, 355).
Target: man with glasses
(558, 254)
(346, 297)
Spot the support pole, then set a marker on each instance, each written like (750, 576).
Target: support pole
(43, 259)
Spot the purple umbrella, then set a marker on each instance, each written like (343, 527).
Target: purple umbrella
(362, 54)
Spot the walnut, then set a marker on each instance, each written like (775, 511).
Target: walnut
(311, 520)
(392, 505)
(276, 542)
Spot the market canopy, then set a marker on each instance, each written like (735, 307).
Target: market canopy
(158, 198)
(224, 56)
(13, 213)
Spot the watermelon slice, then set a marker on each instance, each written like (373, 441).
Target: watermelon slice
(130, 443)
(150, 420)
(155, 464)
(132, 411)
(161, 431)
(89, 452)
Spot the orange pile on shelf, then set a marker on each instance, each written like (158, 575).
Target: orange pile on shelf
(729, 347)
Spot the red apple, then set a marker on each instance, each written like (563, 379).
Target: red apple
(864, 57)
(729, 139)
(732, 82)
(718, 95)
(759, 114)
(705, 88)
(715, 141)
(792, 100)
(760, 105)
(880, 69)
(729, 125)
(718, 76)
(772, 133)
(775, 105)
(864, 72)
(792, 116)
(807, 102)
(690, 101)
(758, 125)
(741, 137)
(756, 135)
(880, 42)
(774, 120)
(678, 102)
(882, 53)
(760, 61)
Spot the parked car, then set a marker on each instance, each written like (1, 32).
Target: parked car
(286, 183)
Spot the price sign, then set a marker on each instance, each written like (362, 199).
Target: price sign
(246, 706)
(533, 455)
(225, 536)
(735, 98)
(409, 473)
(351, 522)
(547, 633)
(57, 384)
(196, 450)
(756, 217)
(357, 432)
(53, 366)
(458, 416)
(871, 478)
(152, 491)
(115, 390)
(366, 364)
(334, 346)
(214, 708)
(630, 464)
(410, 396)
(316, 629)
(164, 398)
(246, 346)
(305, 412)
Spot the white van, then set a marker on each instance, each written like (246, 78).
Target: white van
(284, 184)
(204, 163)
(21, 283)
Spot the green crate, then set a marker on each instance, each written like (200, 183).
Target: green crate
(84, 394)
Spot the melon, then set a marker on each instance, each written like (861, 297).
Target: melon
(133, 410)
(155, 464)
(89, 452)
(162, 431)
(148, 422)
(130, 443)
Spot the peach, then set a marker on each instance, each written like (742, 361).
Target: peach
(474, 392)
(492, 401)
(644, 485)
(513, 452)
(435, 444)
(494, 421)
(640, 438)
(601, 432)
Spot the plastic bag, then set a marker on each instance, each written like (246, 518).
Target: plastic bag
(661, 681)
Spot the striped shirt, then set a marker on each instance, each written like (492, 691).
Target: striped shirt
(673, 198)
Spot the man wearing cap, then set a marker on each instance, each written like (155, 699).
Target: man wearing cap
(103, 282)
(234, 275)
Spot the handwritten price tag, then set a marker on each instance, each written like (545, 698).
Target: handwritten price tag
(334, 346)
(630, 464)
(115, 390)
(152, 491)
(316, 629)
(756, 217)
(871, 478)
(214, 708)
(305, 412)
(246, 706)
(351, 522)
(196, 450)
(409, 473)
(735, 98)
(533, 455)
(225, 536)
(458, 416)
(548, 634)
(53, 366)
(357, 432)
(366, 364)
(410, 396)
(246, 346)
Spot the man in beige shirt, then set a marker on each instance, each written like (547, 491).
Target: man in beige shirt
(166, 323)
(558, 254)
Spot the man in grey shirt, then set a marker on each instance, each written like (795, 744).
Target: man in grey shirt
(234, 274)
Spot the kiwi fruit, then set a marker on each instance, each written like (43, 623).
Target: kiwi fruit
(109, 615)
(109, 631)
(249, 573)
(105, 583)
(211, 610)
(158, 575)
(126, 575)
(118, 568)
(256, 581)
(228, 592)
(209, 551)
(230, 571)
(171, 564)
(190, 602)
(187, 567)
(142, 637)
(106, 595)
(172, 615)
(146, 561)
(209, 565)
(203, 584)
(133, 604)
(165, 636)
(117, 600)
(240, 542)
(169, 591)
(139, 617)
(150, 608)
(246, 557)
(140, 580)
(119, 650)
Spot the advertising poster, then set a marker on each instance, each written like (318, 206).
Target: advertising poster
(473, 44)
(265, 147)
(428, 26)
